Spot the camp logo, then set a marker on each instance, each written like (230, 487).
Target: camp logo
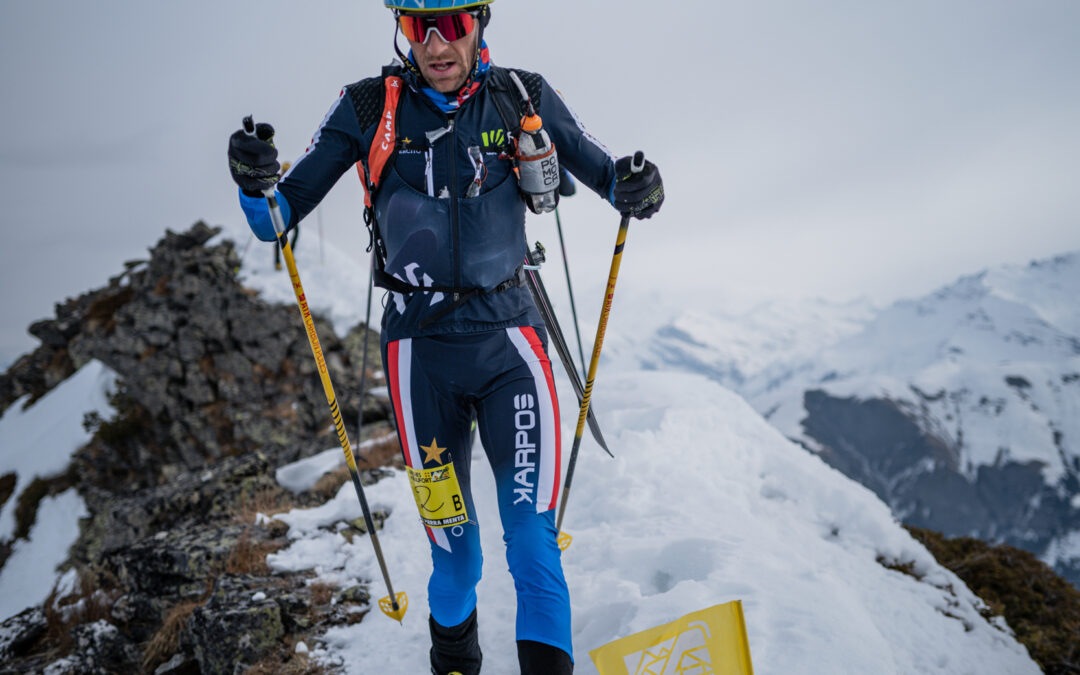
(711, 641)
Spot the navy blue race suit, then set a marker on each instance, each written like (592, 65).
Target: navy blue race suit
(485, 359)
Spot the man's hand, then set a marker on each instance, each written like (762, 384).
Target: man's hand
(253, 160)
(637, 194)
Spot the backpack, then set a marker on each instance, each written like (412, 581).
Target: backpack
(377, 100)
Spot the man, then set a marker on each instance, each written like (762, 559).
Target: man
(461, 336)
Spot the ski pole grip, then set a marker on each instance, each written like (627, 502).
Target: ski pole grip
(636, 164)
(249, 129)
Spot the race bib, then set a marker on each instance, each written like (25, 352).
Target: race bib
(438, 496)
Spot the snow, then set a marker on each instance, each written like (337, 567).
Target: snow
(30, 573)
(1064, 549)
(705, 503)
(303, 474)
(38, 442)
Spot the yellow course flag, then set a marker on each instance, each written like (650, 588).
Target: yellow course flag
(708, 642)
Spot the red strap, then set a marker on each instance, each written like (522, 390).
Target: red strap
(383, 145)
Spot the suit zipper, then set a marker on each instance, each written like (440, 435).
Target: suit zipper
(455, 230)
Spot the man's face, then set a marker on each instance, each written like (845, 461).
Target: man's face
(445, 65)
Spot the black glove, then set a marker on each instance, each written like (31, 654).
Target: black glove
(637, 194)
(253, 160)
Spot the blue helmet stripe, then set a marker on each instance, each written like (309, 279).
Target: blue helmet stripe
(433, 5)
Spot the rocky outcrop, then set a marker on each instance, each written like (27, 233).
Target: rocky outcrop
(216, 389)
(207, 369)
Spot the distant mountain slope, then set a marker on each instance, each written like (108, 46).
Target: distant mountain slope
(961, 409)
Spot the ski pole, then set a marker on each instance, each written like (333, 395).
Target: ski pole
(533, 260)
(570, 288)
(363, 359)
(636, 165)
(394, 605)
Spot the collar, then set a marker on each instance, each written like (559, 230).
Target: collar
(450, 102)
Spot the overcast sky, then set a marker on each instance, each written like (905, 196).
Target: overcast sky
(834, 148)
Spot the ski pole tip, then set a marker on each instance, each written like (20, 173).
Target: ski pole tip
(564, 541)
(395, 606)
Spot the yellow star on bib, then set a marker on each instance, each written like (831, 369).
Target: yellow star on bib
(433, 453)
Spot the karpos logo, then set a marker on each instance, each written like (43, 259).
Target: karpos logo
(524, 447)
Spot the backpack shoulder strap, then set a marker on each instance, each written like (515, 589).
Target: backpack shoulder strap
(533, 84)
(507, 100)
(376, 101)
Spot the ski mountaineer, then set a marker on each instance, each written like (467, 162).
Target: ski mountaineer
(433, 142)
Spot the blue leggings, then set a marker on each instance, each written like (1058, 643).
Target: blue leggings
(437, 384)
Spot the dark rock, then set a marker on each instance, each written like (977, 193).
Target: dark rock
(100, 648)
(355, 594)
(236, 626)
(21, 631)
(139, 614)
(179, 664)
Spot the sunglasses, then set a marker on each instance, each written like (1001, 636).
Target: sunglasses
(450, 27)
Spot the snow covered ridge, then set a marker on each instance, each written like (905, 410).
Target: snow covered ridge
(705, 503)
(37, 444)
(960, 409)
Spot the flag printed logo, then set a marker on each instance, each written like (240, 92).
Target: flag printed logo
(708, 642)
(687, 652)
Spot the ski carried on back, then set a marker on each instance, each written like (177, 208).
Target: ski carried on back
(533, 259)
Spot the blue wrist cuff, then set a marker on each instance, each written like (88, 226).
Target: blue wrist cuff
(258, 215)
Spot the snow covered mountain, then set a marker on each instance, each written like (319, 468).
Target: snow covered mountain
(961, 410)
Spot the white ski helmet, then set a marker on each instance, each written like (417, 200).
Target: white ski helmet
(433, 5)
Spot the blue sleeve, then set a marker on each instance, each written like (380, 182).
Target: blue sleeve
(258, 215)
(335, 148)
(579, 152)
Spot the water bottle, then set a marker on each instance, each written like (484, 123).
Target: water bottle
(538, 165)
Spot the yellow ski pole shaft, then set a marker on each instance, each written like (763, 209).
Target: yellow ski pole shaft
(394, 605)
(636, 165)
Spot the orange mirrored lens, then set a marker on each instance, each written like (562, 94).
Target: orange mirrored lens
(449, 26)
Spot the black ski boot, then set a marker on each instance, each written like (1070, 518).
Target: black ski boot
(455, 650)
(537, 658)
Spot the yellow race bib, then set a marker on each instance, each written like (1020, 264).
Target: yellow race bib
(438, 496)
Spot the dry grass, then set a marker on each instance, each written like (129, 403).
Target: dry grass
(166, 640)
(1041, 607)
(385, 451)
(330, 483)
(321, 593)
(249, 555)
(267, 500)
(91, 600)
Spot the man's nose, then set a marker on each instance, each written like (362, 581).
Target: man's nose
(436, 43)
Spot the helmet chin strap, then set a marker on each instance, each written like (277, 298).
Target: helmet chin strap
(405, 60)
